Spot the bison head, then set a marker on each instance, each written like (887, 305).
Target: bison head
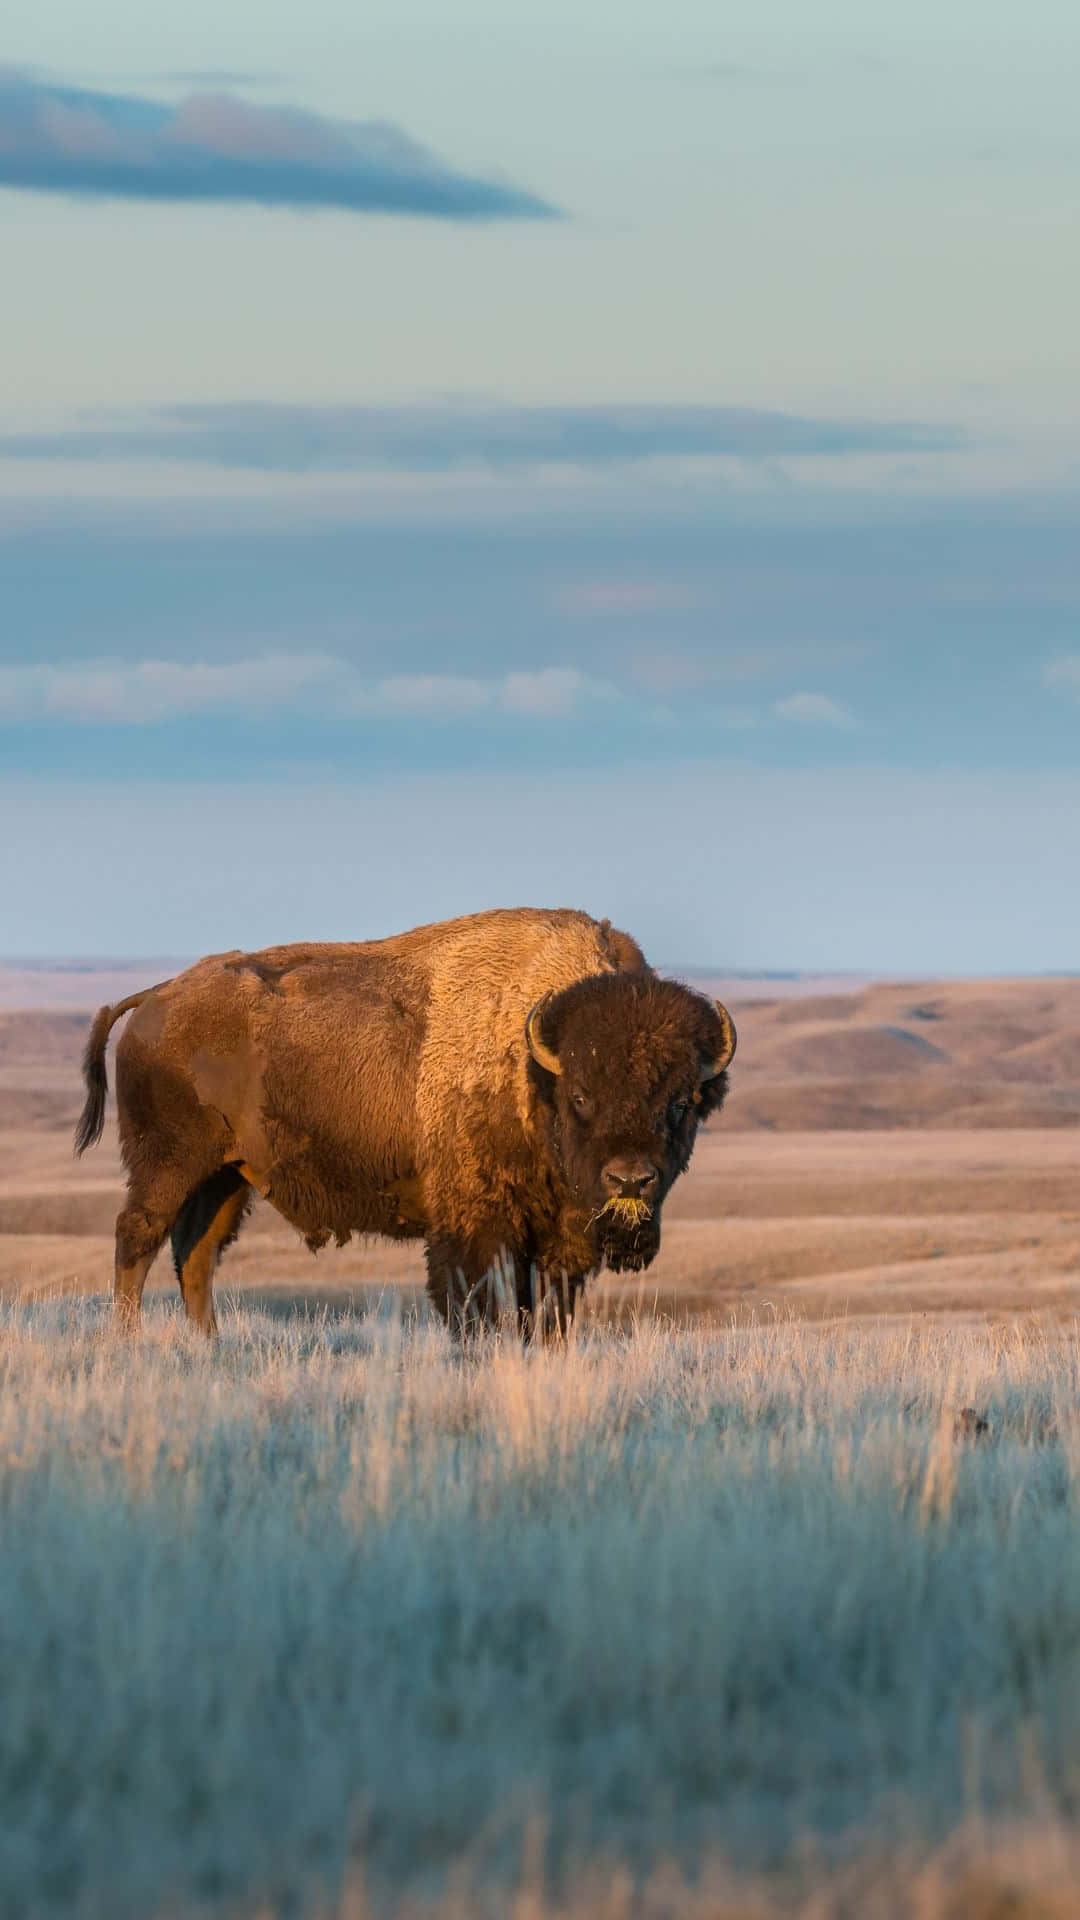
(628, 1066)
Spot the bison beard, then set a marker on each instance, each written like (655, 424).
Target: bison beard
(627, 1235)
(517, 1089)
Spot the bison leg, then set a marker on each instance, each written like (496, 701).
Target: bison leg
(140, 1231)
(156, 1199)
(546, 1304)
(209, 1221)
(473, 1284)
(485, 1284)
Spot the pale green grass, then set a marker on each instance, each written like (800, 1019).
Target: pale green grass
(331, 1604)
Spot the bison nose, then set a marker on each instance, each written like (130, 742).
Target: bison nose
(630, 1179)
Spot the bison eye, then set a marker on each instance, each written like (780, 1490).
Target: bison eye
(580, 1103)
(678, 1111)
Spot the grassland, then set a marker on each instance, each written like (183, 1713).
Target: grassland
(331, 1618)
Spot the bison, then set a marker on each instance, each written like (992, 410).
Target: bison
(518, 1089)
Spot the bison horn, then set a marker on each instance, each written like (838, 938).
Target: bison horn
(543, 1054)
(726, 1052)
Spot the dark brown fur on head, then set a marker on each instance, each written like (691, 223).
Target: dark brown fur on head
(627, 1066)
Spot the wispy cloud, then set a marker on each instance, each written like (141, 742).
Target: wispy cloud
(150, 692)
(212, 146)
(144, 692)
(147, 693)
(543, 694)
(1064, 672)
(549, 693)
(814, 710)
(617, 599)
(461, 434)
(672, 669)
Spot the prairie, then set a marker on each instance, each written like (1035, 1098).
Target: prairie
(334, 1619)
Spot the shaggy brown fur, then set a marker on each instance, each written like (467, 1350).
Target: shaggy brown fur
(392, 1087)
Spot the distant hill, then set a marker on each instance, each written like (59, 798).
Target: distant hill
(985, 1053)
(814, 1052)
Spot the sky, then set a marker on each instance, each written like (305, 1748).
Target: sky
(594, 455)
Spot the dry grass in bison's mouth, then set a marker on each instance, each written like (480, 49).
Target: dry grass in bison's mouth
(624, 1210)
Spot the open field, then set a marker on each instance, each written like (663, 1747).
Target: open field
(332, 1618)
(886, 1150)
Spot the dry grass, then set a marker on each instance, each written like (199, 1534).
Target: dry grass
(330, 1618)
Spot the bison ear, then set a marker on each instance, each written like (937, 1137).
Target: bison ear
(725, 1053)
(544, 1055)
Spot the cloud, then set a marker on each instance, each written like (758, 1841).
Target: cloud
(719, 661)
(147, 692)
(674, 672)
(452, 434)
(144, 693)
(427, 695)
(212, 146)
(554, 691)
(153, 692)
(1064, 672)
(813, 710)
(543, 695)
(617, 598)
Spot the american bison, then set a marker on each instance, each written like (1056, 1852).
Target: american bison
(518, 1089)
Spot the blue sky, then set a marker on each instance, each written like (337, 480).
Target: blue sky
(600, 455)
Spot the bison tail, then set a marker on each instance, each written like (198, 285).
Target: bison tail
(92, 1118)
